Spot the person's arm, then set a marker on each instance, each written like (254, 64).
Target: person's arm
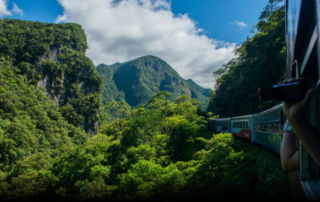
(295, 113)
(309, 137)
(288, 152)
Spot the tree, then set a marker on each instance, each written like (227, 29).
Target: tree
(237, 82)
(121, 110)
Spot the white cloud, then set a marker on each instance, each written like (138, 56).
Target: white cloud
(123, 30)
(3, 8)
(16, 9)
(240, 24)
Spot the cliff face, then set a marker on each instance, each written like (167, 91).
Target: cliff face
(52, 56)
(54, 91)
(47, 82)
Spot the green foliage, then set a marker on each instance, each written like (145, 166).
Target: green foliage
(136, 81)
(237, 83)
(55, 53)
(32, 133)
(184, 161)
(159, 150)
(164, 153)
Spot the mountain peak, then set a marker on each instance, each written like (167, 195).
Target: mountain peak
(139, 79)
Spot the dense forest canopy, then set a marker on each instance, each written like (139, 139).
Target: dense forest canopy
(136, 81)
(50, 95)
(53, 56)
(260, 63)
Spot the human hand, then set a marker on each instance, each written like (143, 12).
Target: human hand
(295, 110)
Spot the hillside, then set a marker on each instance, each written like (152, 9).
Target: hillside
(260, 63)
(136, 81)
(52, 56)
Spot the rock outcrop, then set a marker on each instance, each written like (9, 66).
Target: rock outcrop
(59, 95)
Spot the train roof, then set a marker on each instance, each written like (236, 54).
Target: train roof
(280, 106)
(242, 117)
(222, 119)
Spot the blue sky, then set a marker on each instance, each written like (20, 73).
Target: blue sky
(214, 16)
(194, 36)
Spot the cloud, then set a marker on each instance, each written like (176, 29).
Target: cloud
(16, 9)
(3, 8)
(122, 30)
(240, 24)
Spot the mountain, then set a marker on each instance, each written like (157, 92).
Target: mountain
(136, 81)
(52, 57)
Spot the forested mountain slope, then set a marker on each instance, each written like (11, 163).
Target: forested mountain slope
(53, 56)
(260, 63)
(136, 81)
(162, 151)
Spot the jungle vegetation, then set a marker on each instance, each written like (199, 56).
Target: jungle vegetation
(260, 63)
(53, 55)
(136, 81)
(158, 150)
(161, 151)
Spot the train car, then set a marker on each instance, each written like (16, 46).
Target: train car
(212, 125)
(302, 60)
(241, 127)
(265, 128)
(222, 125)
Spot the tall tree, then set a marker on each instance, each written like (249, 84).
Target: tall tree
(260, 62)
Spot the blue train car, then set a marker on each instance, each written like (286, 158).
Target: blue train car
(241, 126)
(222, 125)
(212, 125)
(265, 128)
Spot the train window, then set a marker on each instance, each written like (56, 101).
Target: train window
(247, 127)
(269, 126)
(275, 127)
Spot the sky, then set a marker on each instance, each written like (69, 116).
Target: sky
(195, 37)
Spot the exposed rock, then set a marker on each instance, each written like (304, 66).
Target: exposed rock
(49, 83)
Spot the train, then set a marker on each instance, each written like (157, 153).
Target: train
(302, 60)
(261, 128)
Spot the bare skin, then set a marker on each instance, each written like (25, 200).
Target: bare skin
(289, 152)
(295, 113)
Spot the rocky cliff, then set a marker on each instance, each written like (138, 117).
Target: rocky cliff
(52, 57)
